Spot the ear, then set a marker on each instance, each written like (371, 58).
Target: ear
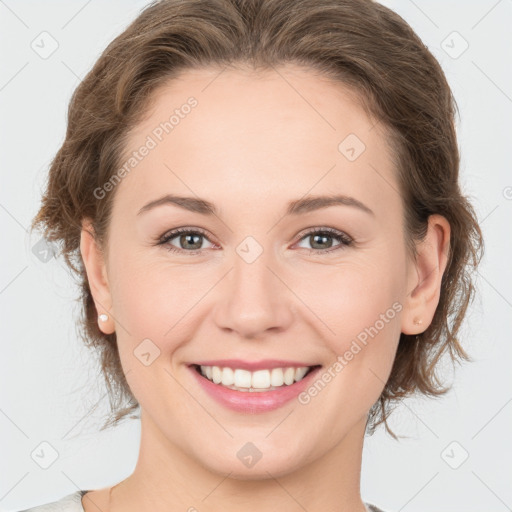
(425, 276)
(95, 267)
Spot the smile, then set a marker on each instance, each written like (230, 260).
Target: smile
(253, 392)
(257, 381)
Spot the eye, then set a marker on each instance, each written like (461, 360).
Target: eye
(191, 240)
(321, 240)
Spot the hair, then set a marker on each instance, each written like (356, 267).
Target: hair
(360, 44)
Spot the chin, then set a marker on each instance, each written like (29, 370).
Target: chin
(261, 470)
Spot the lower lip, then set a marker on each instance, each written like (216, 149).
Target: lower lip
(254, 402)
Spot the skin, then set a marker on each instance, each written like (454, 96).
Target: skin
(251, 145)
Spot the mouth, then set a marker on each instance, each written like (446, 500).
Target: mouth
(239, 379)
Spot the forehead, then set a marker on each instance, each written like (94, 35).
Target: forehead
(238, 132)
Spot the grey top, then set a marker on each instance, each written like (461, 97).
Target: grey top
(73, 503)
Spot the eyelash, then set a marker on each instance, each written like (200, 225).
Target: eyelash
(345, 240)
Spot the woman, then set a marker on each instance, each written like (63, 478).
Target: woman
(261, 202)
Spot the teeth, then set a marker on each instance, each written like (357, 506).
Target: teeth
(245, 380)
(277, 377)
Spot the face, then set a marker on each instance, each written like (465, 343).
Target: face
(314, 283)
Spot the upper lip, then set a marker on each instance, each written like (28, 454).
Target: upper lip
(252, 366)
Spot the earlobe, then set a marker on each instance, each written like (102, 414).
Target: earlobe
(424, 284)
(95, 269)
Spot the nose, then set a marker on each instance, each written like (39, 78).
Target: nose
(254, 299)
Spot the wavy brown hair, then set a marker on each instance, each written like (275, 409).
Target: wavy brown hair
(360, 44)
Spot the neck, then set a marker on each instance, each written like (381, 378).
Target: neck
(167, 478)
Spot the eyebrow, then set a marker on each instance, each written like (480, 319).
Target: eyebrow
(296, 207)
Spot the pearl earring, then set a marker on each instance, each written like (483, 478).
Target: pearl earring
(103, 317)
(418, 322)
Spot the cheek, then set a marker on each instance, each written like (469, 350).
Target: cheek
(154, 300)
(148, 293)
(361, 304)
(151, 311)
(362, 308)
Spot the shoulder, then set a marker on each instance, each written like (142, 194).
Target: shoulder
(373, 508)
(73, 503)
(69, 503)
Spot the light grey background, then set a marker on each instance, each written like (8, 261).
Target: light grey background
(51, 390)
